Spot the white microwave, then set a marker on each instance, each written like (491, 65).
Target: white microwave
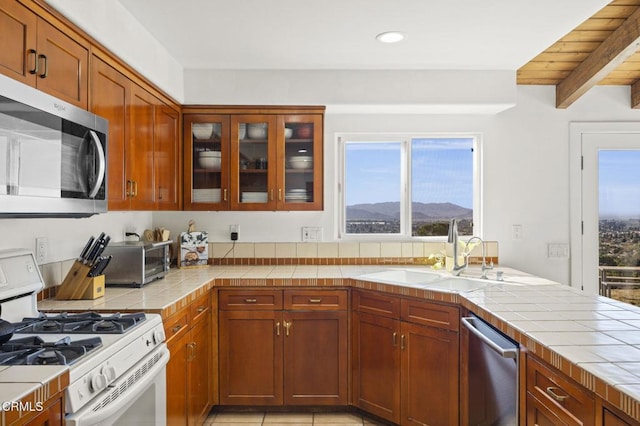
(53, 155)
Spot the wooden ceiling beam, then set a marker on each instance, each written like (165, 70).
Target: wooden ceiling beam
(613, 51)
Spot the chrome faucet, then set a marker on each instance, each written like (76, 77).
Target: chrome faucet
(485, 267)
(453, 239)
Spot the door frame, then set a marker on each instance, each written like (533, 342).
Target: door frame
(577, 130)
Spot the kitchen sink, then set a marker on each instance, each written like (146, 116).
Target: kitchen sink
(402, 276)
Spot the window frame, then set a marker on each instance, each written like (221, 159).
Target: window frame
(343, 139)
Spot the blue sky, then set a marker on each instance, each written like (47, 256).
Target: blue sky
(442, 172)
(619, 183)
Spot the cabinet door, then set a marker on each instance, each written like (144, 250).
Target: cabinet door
(166, 158)
(199, 371)
(299, 165)
(206, 162)
(140, 152)
(18, 56)
(376, 359)
(250, 356)
(177, 382)
(109, 98)
(315, 358)
(63, 65)
(253, 162)
(430, 371)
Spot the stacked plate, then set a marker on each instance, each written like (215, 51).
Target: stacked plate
(209, 195)
(254, 197)
(296, 196)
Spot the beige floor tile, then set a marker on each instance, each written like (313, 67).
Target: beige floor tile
(337, 418)
(239, 418)
(288, 419)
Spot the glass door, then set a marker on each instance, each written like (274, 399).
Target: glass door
(300, 183)
(253, 157)
(206, 162)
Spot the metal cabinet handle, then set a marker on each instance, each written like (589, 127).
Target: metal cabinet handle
(46, 65)
(271, 194)
(33, 52)
(279, 194)
(248, 300)
(287, 327)
(177, 328)
(135, 188)
(315, 300)
(201, 309)
(552, 391)
(129, 190)
(402, 342)
(278, 328)
(224, 194)
(394, 339)
(192, 351)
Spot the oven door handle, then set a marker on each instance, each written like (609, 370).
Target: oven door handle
(109, 413)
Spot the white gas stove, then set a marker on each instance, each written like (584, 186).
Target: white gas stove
(116, 362)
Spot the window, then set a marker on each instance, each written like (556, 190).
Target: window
(404, 185)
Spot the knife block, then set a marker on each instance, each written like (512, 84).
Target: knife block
(77, 285)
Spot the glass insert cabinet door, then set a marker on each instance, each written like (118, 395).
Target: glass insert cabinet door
(301, 157)
(253, 162)
(206, 166)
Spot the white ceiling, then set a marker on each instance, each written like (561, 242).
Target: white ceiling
(340, 34)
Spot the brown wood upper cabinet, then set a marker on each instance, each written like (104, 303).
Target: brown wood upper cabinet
(143, 147)
(38, 54)
(296, 356)
(252, 158)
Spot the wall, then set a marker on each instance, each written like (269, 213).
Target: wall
(525, 174)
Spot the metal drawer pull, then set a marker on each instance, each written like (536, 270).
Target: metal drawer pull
(46, 65)
(394, 339)
(177, 328)
(315, 300)
(552, 391)
(201, 309)
(287, 327)
(402, 342)
(250, 300)
(277, 328)
(34, 70)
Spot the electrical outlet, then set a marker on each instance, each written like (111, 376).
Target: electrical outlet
(234, 230)
(516, 232)
(311, 233)
(41, 249)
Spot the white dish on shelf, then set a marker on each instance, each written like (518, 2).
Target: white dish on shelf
(288, 132)
(202, 130)
(210, 163)
(301, 162)
(257, 130)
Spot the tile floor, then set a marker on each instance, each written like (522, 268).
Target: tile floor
(289, 419)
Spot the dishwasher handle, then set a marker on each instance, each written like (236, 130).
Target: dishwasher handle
(510, 352)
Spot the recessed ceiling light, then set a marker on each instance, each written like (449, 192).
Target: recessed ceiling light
(390, 37)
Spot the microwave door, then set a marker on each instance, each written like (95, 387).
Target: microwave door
(39, 166)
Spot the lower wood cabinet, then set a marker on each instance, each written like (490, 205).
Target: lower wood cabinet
(283, 347)
(554, 399)
(404, 371)
(189, 371)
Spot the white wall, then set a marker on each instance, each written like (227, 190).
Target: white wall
(526, 175)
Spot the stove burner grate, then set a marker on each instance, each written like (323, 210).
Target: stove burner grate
(32, 350)
(80, 323)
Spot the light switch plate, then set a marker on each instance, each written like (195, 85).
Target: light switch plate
(311, 234)
(558, 250)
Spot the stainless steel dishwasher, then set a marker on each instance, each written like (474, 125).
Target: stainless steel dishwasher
(492, 375)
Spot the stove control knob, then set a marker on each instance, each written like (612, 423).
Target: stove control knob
(98, 382)
(109, 373)
(158, 337)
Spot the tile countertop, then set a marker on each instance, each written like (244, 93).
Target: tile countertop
(593, 339)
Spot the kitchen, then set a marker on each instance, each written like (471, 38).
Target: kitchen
(532, 153)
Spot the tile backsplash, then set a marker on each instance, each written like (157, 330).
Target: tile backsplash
(325, 253)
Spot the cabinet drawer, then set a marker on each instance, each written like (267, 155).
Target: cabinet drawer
(250, 299)
(565, 399)
(377, 304)
(199, 309)
(176, 325)
(431, 314)
(315, 300)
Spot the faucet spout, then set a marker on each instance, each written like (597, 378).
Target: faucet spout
(485, 267)
(452, 238)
